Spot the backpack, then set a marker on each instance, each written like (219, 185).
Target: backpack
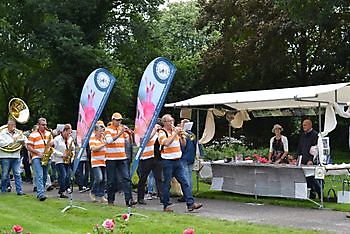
(158, 148)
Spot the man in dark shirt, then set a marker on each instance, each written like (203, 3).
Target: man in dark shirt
(307, 139)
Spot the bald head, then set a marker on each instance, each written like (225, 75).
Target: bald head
(307, 125)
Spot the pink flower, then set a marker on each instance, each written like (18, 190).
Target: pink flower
(17, 228)
(188, 231)
(256, 156)
(247, 158)
(125, 217)
(263, 160)
(108, 224)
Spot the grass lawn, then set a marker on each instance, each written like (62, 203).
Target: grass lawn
(46, 217)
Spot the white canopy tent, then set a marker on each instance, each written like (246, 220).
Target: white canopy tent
(299, 97)
(332, 97)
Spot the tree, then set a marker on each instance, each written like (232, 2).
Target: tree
(50, 47)
(183, 44)
(269, 44)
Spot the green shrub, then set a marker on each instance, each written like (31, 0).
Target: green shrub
(227, 147)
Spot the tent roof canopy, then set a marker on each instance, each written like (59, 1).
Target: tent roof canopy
(299, 97)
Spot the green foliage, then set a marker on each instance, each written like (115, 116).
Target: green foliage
(230, 148)
(183, 44)
(268, 44)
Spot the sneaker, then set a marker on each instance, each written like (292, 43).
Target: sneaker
(92, 197)
(142, 202)
(195, 206)
(9, 189)
(131, 203)
(103, 200)
(168, 209)
(43, 198)
(62, 195)
(148, 196)
(69, 191)
(84, 189)
(50, 188)
(21, 194)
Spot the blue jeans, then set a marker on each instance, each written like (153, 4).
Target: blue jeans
(83, 172)
(114, 169)
(54, 171)
(188, 173)
(7, 164)
(150, 182)
(63, 176)
(98, 186)
(174, 168)
(40, 176)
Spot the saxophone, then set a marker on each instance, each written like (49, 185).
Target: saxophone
(69, 154)
(47, 151)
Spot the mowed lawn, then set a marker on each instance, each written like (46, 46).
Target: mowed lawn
(46, 217)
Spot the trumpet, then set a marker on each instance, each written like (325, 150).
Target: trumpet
(127, 129)
(185, 135)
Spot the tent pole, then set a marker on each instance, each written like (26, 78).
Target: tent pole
(319, 161)
(197, 171)
(319, 118)
(229, 130)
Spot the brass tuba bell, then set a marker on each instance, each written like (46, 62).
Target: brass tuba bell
(19, 111)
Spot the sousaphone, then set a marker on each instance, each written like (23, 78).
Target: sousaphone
(19, 111)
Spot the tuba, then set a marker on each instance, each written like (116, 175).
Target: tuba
(19, 111)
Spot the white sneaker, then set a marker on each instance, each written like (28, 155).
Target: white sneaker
(103, 199)
(148, 196)
(93, 197)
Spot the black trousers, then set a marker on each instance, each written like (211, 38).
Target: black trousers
(146, 166)
(315, 186)
(26, 164)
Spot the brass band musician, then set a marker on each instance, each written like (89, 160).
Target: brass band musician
(63, 154)
(38, 144)
(11, 160)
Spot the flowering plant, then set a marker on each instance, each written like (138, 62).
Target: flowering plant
(15, 229)
(115, 225)
(260, 159)
(188, 231)
(232, 148)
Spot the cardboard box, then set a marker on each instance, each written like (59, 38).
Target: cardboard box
(343, 196)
